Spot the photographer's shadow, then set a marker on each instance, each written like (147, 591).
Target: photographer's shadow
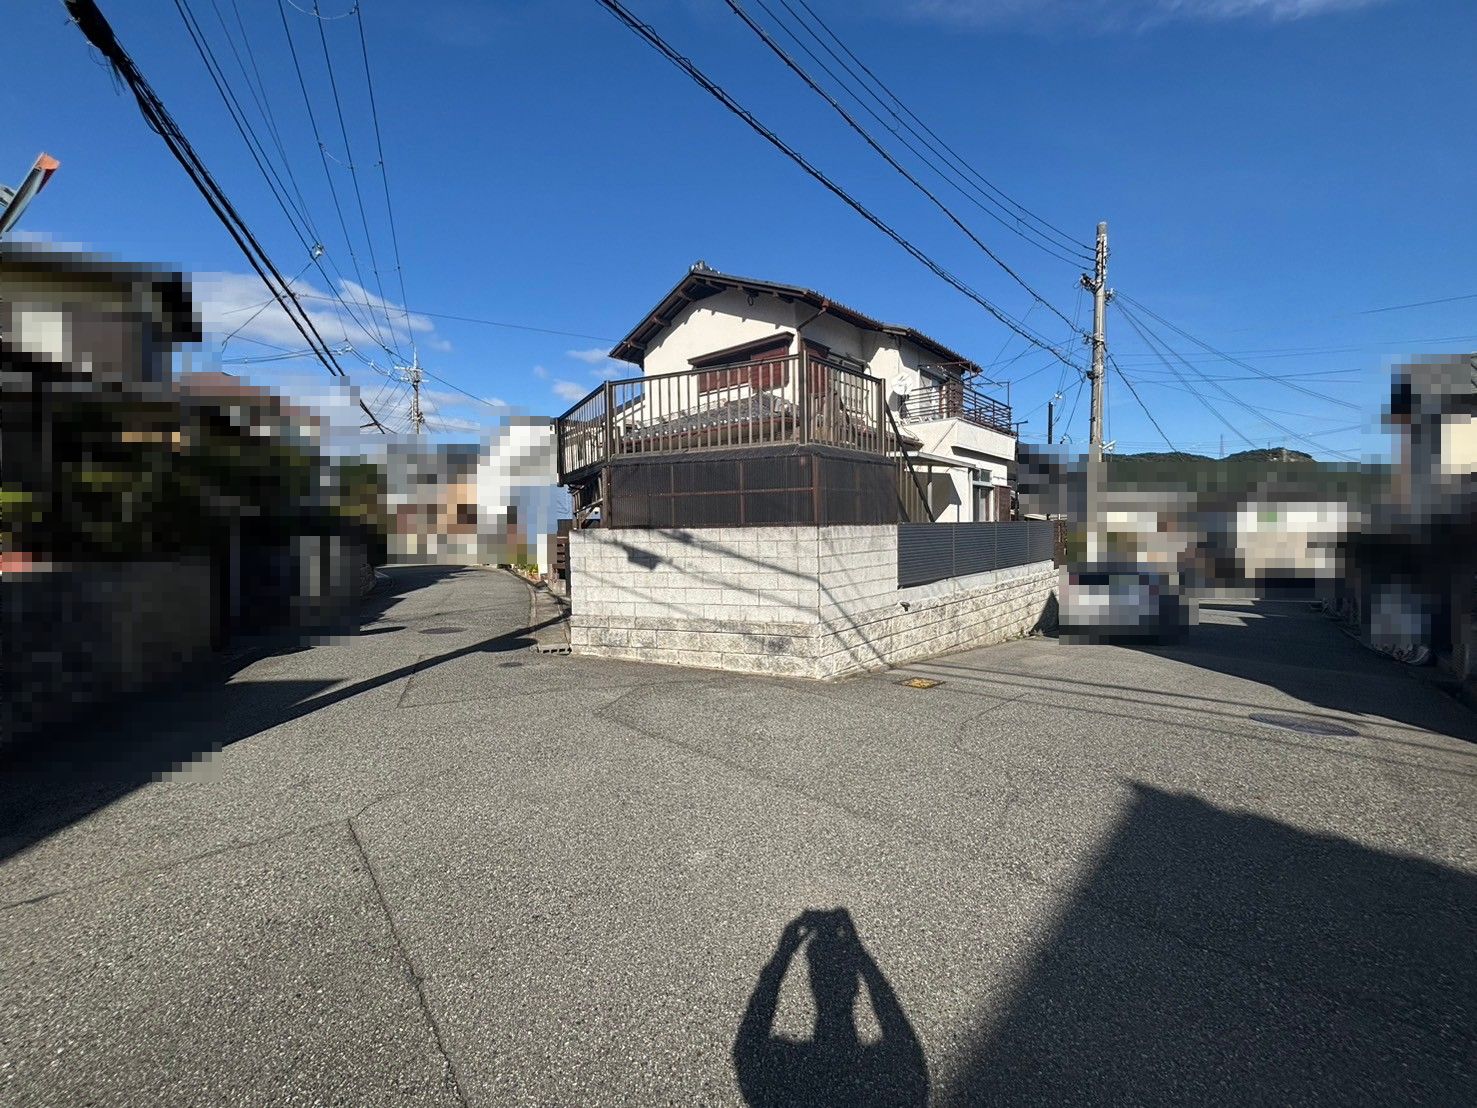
(833, 1067)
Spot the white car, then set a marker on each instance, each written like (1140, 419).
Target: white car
(1105, 599)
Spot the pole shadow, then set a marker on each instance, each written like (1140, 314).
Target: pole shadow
(834, 1066)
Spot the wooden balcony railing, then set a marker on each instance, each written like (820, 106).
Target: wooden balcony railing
(957, 400)
(786, 399)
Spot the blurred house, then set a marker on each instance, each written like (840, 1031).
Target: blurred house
(89, 606)
(1411, 571)
(143, 519)
(1238, 521)
(488, 503)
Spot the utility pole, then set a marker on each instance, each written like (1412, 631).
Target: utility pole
(1050, 420)
(1097, 284)
(417, 416)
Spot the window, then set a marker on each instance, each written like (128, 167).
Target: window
(984, 494)
(760, 365)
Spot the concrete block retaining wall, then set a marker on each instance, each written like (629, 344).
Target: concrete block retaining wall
(801, 601)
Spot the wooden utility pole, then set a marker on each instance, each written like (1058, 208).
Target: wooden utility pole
(1097, 284)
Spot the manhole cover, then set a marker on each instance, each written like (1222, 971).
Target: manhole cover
(442, 630)
(1304, 726)
(921, 683)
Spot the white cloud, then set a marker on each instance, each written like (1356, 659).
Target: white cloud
(540, 372)
(240, 303)
(569, 390)
(595, 355)
(605, 367)
(1100, 15)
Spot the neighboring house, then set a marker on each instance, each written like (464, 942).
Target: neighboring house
(1289, 538)
(469, 504)
(432, 501)
(739, 331)
(1412, 572)
(88, 608)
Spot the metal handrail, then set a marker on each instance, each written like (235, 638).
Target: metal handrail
(793, 398)
(957, 401)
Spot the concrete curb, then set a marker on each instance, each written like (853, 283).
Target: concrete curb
(542, 607)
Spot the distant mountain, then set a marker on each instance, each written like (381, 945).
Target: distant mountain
(1278, 468)
(1272, 454)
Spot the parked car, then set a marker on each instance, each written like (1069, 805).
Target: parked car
(1118, 599)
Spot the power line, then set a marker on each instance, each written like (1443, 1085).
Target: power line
(464, 392)
(1127, 380)
(384, 177)
(1211, 408)
(1081, 251)
(1236, 361)
(1262, 416)
(256, 147)
(444, 315)
(1419, 304)
(96, 29)
(795, 67)
(647, 34)
(354, 175)
(248, 321)
(376, 334)
(259, 94)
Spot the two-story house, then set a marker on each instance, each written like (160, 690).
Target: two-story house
(736, 338)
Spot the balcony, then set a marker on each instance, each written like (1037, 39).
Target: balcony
(788, 399)
(957, 400)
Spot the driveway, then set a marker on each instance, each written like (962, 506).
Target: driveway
(426, 864)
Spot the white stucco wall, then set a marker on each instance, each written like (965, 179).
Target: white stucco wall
(723, 320)
(728, 319)
(815, 602)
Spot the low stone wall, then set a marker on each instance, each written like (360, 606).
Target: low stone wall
(76, 634)
(801, 601)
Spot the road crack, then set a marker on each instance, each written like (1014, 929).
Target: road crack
(451, 1077)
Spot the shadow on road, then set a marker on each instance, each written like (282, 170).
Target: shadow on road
(834, 1067)
(1288, 647)
(1213, 956)
(61, 776)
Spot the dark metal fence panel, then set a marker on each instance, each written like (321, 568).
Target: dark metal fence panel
(1013, 545)
(928, 552)
(925, 552)
(974, 549)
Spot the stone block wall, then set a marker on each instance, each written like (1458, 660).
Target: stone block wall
(800, 601)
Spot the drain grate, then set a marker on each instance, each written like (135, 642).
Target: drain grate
(1304, 726)
(442, 630)
(920, 683)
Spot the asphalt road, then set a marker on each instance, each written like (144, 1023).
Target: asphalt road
(425, 864)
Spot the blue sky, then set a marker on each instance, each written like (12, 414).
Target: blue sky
(1270, 170)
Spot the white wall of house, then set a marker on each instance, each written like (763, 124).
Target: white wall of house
(727, 319)
(724, 320)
